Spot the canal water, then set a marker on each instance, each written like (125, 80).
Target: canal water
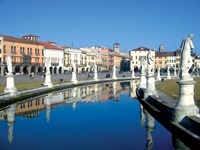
(95, 117)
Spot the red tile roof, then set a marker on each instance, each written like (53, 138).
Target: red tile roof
(30, 35)
(19, 40)
(141, 48)
(50, 46)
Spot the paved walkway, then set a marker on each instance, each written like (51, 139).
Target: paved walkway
(26, 78)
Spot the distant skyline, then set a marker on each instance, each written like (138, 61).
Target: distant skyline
(132, 23)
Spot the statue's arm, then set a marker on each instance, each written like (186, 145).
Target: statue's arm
(191, 45)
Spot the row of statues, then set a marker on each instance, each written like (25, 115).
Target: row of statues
(185, 61)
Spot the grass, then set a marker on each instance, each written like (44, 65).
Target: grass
(171, 88)
(33, 84)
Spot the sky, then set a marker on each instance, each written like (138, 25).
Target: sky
(132, 23)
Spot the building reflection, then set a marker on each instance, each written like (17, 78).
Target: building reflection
(31, 107)
(88, 94)
(133, 86)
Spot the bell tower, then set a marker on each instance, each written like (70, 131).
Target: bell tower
(116, 47)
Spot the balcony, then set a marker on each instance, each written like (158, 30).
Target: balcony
(54, 64)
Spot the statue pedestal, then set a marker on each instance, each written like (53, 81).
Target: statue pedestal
(74, 80)
(143, 82)
(133, 74)
(175, 75)
(168, 75)
(158, 76)
(114, 75)
(10, 85)
(185, 105)
(48, 80)
(150, 90)
(95, 76)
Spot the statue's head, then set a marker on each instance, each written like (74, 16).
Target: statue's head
(191, 36)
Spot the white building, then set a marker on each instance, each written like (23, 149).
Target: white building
(56, 56)
(72, 55)
(136, 55)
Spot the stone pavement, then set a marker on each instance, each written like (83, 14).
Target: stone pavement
(26, 78)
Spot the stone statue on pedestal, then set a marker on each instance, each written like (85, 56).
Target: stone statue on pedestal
(73, 67)
(47, 60)
(186, 59)
(9, 63)
(150, 61)
(142, 67)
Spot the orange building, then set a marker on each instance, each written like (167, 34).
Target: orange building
(26, 53)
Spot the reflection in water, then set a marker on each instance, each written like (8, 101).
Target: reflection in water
(142, 115)
(92, 93)
(149, 127)
(87, 94)
(47, 102)
(10, 120)
(133, 86)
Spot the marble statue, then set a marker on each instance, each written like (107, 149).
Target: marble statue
(142, 67)
(95, 67)
(47, 60)
(150, 61)
(186, 59)
(73, 67)
(9, 63)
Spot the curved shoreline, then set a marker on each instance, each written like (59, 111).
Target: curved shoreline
(7, 98)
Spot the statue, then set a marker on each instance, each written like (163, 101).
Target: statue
(142, 67)
(150, 61)
(186, 59)
(95, 67)
(9, 63)
(73, 67)
(47, 60)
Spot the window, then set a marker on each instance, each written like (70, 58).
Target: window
(22, 105)
(37, 102)
(21, 50)
(30, 104)
(11, 49)
(37, 51)
(15, 50)
(4, 49)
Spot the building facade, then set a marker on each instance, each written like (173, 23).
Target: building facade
(55, 55)
(27, 55)
(136, 55)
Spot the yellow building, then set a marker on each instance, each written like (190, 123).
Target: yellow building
(160, 58)
(117, 60)
(26, 53)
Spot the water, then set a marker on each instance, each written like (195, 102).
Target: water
(102, 117)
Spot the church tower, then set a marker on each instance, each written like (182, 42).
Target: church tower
(116, 47)
(161, 48)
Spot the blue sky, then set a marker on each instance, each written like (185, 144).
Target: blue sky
(132, 23)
